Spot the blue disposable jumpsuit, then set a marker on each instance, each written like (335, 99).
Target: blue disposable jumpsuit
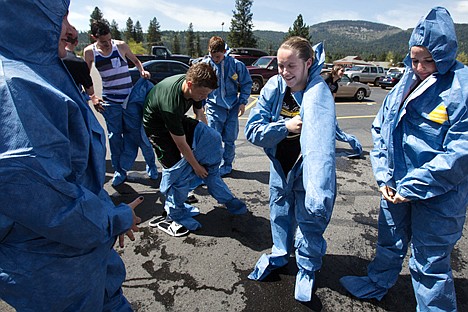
(301, 203)
(57, 224)
(136, 136)
(222, 105)
(178, 180)
(421, 149)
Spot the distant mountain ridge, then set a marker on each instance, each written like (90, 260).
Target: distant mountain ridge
(367, 39)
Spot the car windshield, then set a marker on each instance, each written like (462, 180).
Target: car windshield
(356, 68)
(262, 62)
(345, 79)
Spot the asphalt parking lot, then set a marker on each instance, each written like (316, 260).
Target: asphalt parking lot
(207, 270)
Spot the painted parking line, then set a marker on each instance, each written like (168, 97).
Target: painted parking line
(356, 103)
(356, 117)
(255, 99)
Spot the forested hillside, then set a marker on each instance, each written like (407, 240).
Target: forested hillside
(370, 41)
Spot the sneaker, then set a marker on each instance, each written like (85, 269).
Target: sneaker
(172, 228)
(156, 220)
(191, 199)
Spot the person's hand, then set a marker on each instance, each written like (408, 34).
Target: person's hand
(136, 220)
(392, 196)
(387, 193)
(294, 124)
(241, 110)
(398, 199)
(98, 107)
(97, 103)
(200, 171)
(145, 74)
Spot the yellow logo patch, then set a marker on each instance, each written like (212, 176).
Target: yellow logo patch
(439, 114)
(235, 76)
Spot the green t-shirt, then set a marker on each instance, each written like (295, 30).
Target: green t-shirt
(165, 107)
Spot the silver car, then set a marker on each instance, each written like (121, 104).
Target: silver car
(348, 88)
(352, 89)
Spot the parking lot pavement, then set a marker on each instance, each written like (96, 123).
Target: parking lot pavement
(207, 270)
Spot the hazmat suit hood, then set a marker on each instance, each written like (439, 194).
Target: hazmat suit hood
(38, 19)
(32, 71)
(436, 32)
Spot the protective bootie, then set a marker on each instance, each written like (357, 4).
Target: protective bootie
(235, 206)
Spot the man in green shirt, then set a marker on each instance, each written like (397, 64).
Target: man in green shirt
(172, 135)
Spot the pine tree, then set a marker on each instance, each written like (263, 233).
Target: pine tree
(176, 44)
(154, 33)
(129, 31)
(241, 34)
(190, 41)
(115, 32)
(198, 46)
(298, 29)
(96, 15)
(138, 32)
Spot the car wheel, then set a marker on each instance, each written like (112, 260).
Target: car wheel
(360, 95)
(385, 88)
(356, 79)
(376, 82)
(256, 85)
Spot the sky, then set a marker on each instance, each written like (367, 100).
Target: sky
(276, 15)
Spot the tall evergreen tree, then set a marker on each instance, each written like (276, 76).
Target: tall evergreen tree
(176, 44)
(115, 32)
(129, 30)
(153, 36)
(299, 29)
(96, 15)
(138, 32)
(190, 41)
(241, 33)
(198, 46)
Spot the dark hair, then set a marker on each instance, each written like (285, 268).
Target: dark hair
(301, 46)
(216, 44)
(202, 75)
(99, 28)
(335, 69)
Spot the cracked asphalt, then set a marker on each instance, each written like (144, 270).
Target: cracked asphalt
(207, 270)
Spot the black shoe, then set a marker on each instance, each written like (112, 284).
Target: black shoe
(156, 220)
(191, 199)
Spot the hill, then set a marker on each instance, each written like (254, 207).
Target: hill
(369, 40)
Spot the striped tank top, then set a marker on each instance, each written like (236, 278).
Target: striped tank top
(116, 80)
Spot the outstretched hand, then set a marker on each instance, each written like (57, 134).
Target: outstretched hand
(136, 220)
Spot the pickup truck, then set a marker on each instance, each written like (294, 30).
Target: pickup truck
(263, 69)
(160, 53)
(163, 53)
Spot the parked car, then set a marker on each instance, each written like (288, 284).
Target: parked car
(348, 88)
(365, 73)
(248, 51)
(390, 80)
(395, 70)
(263, 69)
(247, 55)
(159, 69)
(246, 59)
